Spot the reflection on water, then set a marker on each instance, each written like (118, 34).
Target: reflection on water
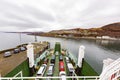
(111, 45)
(95, 52)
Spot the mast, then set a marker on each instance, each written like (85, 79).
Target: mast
(35, 38)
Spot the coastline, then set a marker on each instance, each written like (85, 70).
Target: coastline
(91, 38)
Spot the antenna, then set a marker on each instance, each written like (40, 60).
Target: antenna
(35, 38)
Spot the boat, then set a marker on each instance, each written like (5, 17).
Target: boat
(57, 63)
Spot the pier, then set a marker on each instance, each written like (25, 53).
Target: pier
(8, 64)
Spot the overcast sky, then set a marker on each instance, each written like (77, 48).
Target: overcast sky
(46, 15)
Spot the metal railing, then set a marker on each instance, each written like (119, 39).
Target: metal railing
(112, 69)
(66, 77)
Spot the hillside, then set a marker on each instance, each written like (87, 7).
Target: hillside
(112, 30)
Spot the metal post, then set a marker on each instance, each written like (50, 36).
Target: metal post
(21, 75)
(10, 78)
(35, 38)
(96, 78)
(84, 78)
(20, 37)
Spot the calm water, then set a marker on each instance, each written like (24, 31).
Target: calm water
(95, 52)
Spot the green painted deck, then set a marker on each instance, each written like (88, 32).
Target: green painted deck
(56, 67)
(87, 70)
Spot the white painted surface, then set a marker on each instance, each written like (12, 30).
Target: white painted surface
(112, 71)
(107, 62)
(30, 55)
(81, 55)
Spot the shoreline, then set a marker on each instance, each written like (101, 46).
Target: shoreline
(78, 38)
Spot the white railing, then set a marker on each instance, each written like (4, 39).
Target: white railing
(19, 73)
(67, 77)
(110, 70)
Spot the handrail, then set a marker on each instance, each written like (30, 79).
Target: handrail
(18, 74)
(80, 77)
(111, 70)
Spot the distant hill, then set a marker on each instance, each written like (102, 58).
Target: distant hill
(112, 27)
(112, 30)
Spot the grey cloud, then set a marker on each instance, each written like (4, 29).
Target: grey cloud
(27, 16)
(15, 15)
(9, 7)
(39, 14)
(95, 7)
(18, 24)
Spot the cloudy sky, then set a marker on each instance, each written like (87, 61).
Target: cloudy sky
(46, 15)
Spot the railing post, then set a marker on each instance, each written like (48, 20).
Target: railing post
(21, 75)
(10, 78)
(84, 78)
(96, 78)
